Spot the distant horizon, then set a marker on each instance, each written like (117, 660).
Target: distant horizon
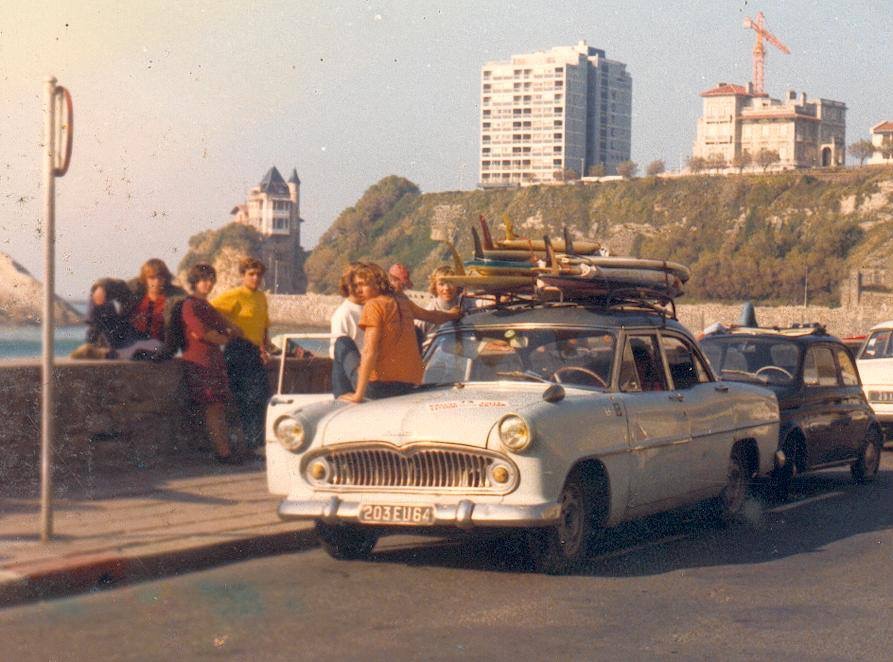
(181, 108)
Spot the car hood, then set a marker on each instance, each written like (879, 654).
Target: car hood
(463, 415)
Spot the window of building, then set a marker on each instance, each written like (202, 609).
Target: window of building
(485, 150)
(486, 100)
(557, 123)
(556, 162)
(486, 87)
(557, 109)
(486, 125)
(556, 136)
(557, 149)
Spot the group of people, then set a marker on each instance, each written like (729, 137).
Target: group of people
(377, 331)
(151, 318)
(377, 335)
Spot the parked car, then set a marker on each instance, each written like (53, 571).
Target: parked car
(875, 362)
(559, 420)
(825, 419)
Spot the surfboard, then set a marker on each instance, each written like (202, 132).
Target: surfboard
(492, 283)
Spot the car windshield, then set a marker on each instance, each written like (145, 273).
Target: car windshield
(765, 360)
(878, 346)
(582, 357)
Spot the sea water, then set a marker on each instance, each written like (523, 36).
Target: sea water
(26, 342)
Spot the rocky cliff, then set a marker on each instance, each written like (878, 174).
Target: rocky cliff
(21, 297)
(764, 237)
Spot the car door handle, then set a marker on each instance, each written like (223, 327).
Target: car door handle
(721, 388)
(678, 397)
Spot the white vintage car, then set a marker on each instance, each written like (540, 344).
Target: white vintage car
(875, 364)
(561, 420)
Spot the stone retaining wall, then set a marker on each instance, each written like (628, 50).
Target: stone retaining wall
(112, 414)
(839, 321)
(317, 309)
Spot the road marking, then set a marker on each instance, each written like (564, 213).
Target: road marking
(797, 504)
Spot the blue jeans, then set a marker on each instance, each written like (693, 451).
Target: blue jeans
(379, 390)
(345, 366)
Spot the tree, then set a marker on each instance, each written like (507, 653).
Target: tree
(716, 161)
(627, 169)
(862, 149)
(742, 160)
(697, 164)
(655, 168)
(767, 157)
(566, 175)
(597, 170)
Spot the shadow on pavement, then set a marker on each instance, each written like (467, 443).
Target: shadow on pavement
(823, 508)
(108, 483)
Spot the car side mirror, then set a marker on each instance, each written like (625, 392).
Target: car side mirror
(554, 393)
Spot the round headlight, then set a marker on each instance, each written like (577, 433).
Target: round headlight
(289, 432)
(318, 471)
(514, 433)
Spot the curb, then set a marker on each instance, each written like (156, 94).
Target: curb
(95, 572)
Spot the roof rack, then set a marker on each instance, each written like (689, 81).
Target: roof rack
(617, 299)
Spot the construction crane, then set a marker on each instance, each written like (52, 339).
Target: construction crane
(758, 25)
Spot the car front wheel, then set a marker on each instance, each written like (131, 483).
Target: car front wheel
(346, 542)
(561, 548)
(866, 466)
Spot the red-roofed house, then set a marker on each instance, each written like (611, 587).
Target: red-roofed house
(882, 139)
(805, 134)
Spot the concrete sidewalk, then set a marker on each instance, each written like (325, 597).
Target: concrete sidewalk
(139, 524)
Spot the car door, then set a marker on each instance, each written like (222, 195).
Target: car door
(822, 420)
(657, 425)
(853, 407)
(709, 414)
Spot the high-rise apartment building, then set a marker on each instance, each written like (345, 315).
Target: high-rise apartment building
(542, 113)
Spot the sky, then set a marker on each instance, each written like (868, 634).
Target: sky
(181, 107)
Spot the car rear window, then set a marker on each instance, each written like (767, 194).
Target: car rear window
(878, 346)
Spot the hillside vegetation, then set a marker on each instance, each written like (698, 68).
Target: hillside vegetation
(744, 236)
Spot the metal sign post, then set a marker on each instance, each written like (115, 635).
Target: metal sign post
(57, 140)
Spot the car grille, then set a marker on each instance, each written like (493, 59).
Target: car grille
(420, 467)
(880, 396)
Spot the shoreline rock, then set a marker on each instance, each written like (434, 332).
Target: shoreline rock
(21, 298)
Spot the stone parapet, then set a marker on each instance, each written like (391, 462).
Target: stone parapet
(112, 414)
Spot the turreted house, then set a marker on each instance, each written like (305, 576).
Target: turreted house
(273, 208)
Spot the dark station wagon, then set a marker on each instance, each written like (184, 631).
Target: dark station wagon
(825, 419)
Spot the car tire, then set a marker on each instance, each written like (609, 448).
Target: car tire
(737, 489)
(866, 466)
(560, 549)
(346, 542)
(781, 479)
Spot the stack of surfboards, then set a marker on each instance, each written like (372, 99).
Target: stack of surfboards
(565, 268)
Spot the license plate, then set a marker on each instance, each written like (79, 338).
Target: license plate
(404, 514)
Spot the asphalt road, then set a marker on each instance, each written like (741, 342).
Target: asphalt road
(812, 579)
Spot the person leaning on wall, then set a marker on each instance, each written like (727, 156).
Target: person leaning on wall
(134, 319)
(246, 358)
(204, 368)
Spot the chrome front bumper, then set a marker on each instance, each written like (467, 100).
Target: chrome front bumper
(465, 514)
